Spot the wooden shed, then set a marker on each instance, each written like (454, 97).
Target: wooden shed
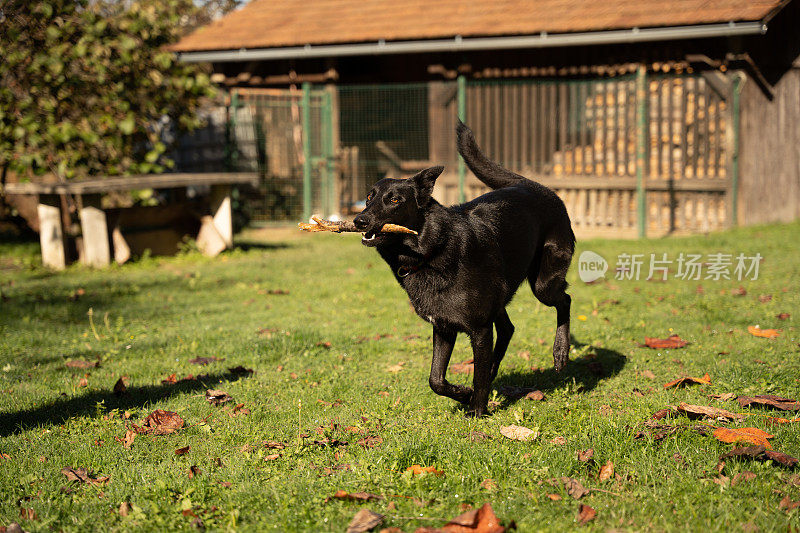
(647, 117)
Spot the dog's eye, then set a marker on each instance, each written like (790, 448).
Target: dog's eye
(394, 199)
(369, 197)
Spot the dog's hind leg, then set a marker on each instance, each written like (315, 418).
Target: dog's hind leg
(549, 285)
(482, 377)
(505, 329)
(443, 342)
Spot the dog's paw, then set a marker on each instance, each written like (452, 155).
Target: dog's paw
(477, 413)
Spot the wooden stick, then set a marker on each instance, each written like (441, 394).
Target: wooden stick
(346, 226)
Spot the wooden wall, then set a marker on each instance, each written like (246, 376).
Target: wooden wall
(769, 160)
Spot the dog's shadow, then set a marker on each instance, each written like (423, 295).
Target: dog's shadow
(585, 371)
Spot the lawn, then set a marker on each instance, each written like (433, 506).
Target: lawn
(338, 399)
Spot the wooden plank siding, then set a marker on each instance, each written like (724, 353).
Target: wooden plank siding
(769, 168)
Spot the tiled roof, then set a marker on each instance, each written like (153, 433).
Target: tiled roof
(281, 23)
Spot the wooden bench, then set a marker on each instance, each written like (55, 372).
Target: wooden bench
(98, 244)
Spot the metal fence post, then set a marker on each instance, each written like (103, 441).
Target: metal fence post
(641, 147)
(462, 116)
(306, 114)
(327, 144)
(231, 150)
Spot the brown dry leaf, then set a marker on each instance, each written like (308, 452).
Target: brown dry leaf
(217, 397)
(82, 476)
(83, 382)
(696, 411)
(273, 445)
(370, 441)
(756, 331)
(778, 402)
(418, 470)
(172, 379)
(688, 380)
(481, 520)
(764, 298)
(788, 504)
(465, 367)
(127, 440)
(554, 497)
(586, 514)
(750, 435)
(124, 509)
(724, 397)
(585, 455)
(26, 513)
(394, 369)
(558, 441)
(783, 316)
(647, 374)
(206, 360)
(272, 457)
(240, 409)
(536, 396)
(742, 476)
(574, 487)
(606, 471)
(663, 413)
(518, 433)
(182, 451)
(489, 484)
(670, 343)
(160, 422)
(364, 520)
(119, 387)
(477, 436)
(79, 363)
(354, 496)
(194, 471)
(524, 355)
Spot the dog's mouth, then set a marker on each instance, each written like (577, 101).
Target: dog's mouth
(370, 238)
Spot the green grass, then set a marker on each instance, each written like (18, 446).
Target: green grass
(153, 316)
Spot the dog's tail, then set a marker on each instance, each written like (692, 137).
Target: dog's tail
(484, 168)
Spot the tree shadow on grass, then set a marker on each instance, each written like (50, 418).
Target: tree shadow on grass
(63, 409)
(586, 371)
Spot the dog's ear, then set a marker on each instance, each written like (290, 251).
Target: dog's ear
(423, 183)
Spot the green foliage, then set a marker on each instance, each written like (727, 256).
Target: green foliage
(87, 87)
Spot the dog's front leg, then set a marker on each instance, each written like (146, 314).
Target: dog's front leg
(482, 378)
(443, 342)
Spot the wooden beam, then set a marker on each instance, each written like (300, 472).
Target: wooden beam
(127, 183)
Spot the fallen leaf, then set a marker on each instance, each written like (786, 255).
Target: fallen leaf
(724, 397)
(482, 520)
(396, 368)
(741, 477)
(273, 445)
(574, 487)
(751, 435)
(585, 455)
(647, 374)
(225, 484)
(172, 379)
(688, 380)
(79, 363)
(465, 367)
(519, 432)
(695, 411)
(83, 382)
(217, 397)
(127, 440)
(778, 402)
(119, 387)
(182, 451)
(26, 513)
(355, 496)
(554, 497)
(205, 360)
(586, 514)
(194, 471)
(536, 396)
(525, 355)
(489, 484)
(476, 436)
(370, 441)
(663, 413)
(82, 476)
(418, 470)
(764, 298)
(124, 509)
(671, 342)
(788, 504)
(272, 457)
(364, 520)
(606, 471)
(756, 331)
(160, 422)
(558, 441)
(277, 292)
(240, 409)
(741, 291)
(783, 316)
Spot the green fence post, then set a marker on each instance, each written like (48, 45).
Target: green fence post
(306, 111)
(232, 155)
(327, 133)
(641, 147)
(462, 116)
(737, 92)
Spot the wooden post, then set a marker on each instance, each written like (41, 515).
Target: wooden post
(94, 228)
(641, 146)
(51, 235)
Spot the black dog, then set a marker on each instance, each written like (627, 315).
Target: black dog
(468, 261)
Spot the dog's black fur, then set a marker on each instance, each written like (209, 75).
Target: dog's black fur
(468, 261)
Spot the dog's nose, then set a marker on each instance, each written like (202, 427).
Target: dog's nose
(360, 222)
